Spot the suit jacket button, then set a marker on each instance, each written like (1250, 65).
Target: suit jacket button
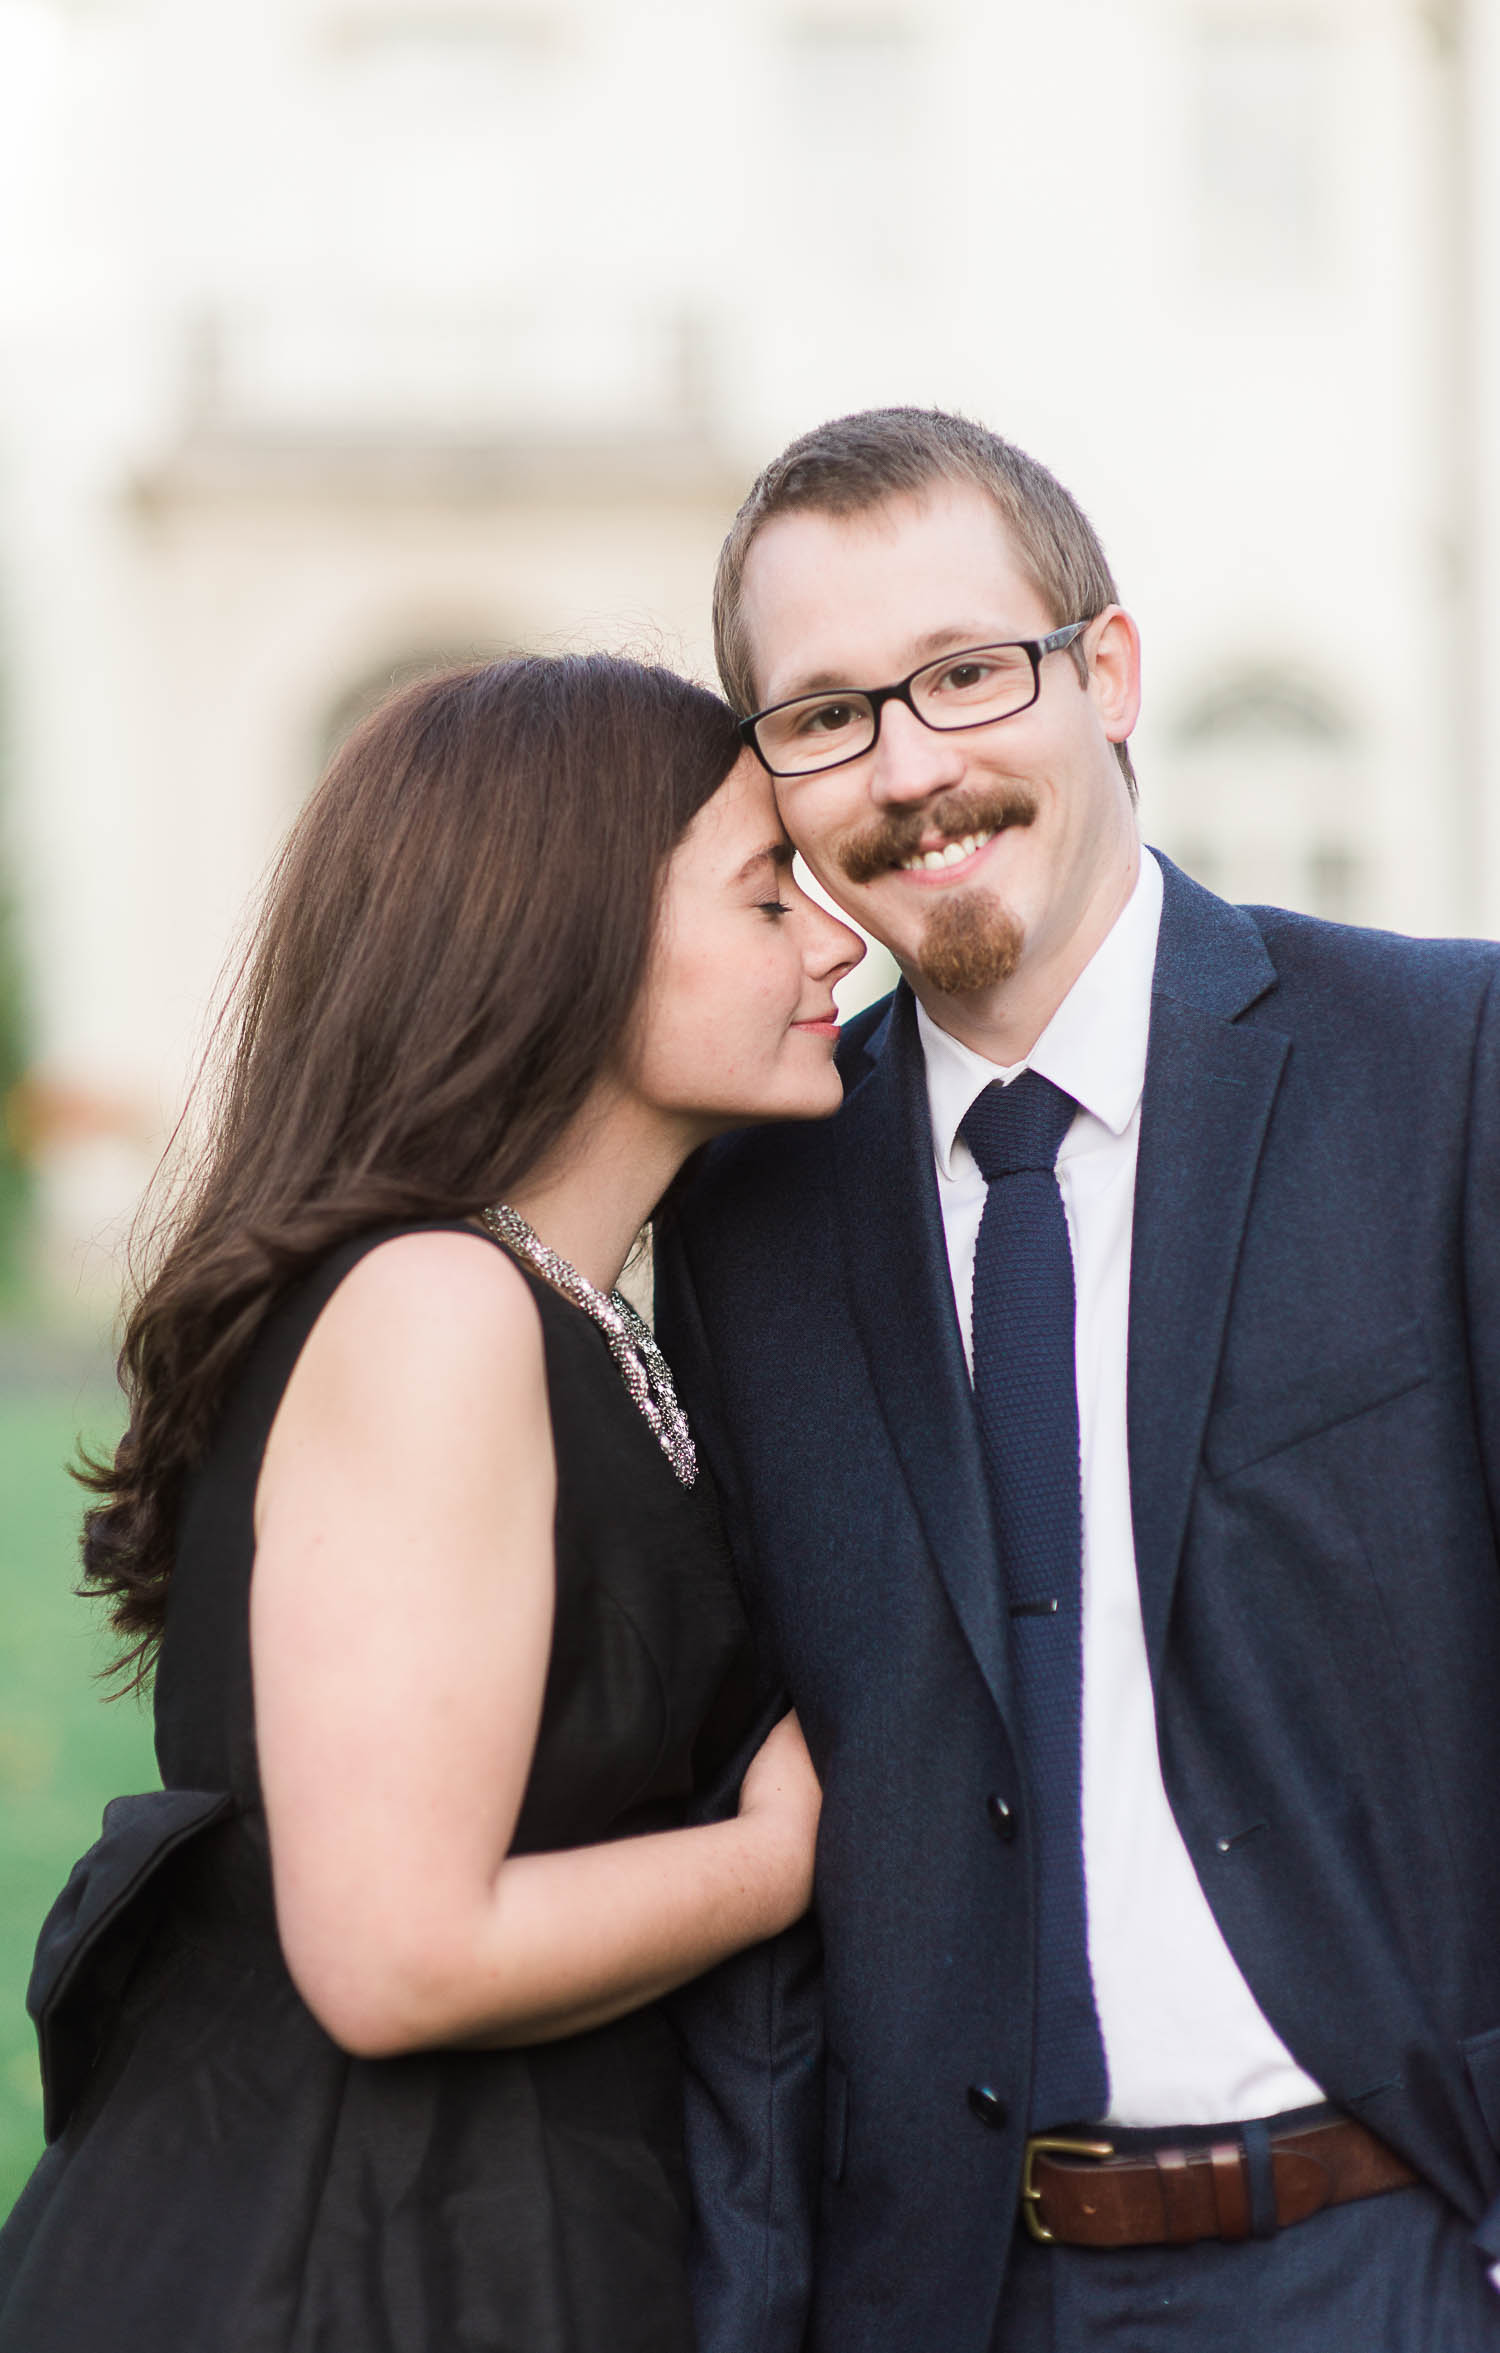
(988, 2106)
(1002, 1815)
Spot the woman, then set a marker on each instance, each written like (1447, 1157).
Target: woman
(349, 2034)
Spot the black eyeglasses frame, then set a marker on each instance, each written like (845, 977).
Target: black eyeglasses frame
(1035, 649)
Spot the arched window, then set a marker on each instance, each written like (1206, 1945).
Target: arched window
(1259, 794)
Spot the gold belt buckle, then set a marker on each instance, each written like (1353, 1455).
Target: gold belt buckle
(1050, 2144)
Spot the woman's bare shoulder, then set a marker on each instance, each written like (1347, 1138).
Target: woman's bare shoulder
(425, 1326)
(459, 1283)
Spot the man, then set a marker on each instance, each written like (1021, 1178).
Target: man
(1106, 1405)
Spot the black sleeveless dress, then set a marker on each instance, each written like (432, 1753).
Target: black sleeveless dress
(221, 2176)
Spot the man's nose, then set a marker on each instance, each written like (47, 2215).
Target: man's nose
(910, 760)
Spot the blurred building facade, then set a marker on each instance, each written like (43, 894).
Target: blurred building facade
(341, 336)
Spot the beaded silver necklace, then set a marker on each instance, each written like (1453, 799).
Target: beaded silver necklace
(631, 1344)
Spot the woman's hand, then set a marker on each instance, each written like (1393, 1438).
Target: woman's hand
(780, 1800)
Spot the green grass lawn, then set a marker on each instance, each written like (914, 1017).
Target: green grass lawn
(64, 1749)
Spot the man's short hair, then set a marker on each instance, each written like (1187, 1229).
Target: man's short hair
(859, 462)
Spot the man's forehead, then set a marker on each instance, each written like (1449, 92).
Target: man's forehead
(835, 600)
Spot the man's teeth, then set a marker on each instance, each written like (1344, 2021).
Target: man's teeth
(951, 854)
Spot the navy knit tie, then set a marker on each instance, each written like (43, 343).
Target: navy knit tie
(1026, 1393)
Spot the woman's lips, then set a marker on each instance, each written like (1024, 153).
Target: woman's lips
(825, 1026)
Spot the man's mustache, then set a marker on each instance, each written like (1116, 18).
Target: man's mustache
(887, 841)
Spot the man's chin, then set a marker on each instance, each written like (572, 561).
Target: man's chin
(969, 944)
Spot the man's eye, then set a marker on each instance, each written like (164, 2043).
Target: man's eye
(774, 907)
(825, 719)
(965, 675)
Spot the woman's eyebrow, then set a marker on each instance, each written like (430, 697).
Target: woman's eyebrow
(777, 854)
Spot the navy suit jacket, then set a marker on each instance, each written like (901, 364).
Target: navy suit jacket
(1314, 1434)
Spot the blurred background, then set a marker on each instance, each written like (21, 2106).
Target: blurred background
(339, 337)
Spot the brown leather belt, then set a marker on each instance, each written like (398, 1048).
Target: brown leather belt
(1081, 2194)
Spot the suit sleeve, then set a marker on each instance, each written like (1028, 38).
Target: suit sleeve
(751, 2031)
(1482, 1240)
(1482, 1306)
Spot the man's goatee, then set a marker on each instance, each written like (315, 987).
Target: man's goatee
(969, 944)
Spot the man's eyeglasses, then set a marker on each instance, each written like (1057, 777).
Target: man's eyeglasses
(972, 688)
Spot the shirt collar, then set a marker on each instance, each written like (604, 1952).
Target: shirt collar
(1094, 1047)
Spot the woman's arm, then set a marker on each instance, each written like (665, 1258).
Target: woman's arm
(401, 1623)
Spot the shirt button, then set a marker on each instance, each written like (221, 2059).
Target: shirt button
(988, 2106)
(1003, 1816)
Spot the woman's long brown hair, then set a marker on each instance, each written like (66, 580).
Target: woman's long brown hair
(453, 942)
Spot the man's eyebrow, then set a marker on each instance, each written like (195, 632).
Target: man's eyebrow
(933, 641)
(777, 854)
(963, 633)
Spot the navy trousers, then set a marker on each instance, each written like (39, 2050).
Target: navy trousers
(1397, 2273)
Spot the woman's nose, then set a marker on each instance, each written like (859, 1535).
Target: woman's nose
(834, 949)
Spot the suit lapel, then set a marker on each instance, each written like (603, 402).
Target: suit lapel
(902, 1296)
(1209, 1089)
(1210, 1086)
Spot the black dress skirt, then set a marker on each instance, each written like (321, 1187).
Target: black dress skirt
(221, 2177)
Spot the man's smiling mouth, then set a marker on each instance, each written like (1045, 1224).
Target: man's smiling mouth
(929, 840)
(952, 853)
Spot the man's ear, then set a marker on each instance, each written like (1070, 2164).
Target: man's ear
(1114, 649)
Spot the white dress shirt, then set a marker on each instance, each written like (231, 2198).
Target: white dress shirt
(1185, 2039)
